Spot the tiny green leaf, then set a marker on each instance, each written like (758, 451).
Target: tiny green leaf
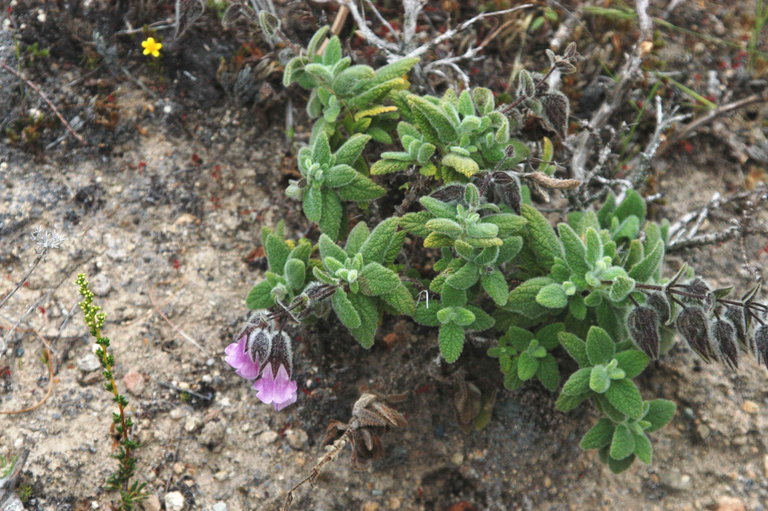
(548, 373)
(625, 397)
(496, 287)
(643, 448)
(451, 338)
(578, 382)
(599, 380)
(598, 436)
(526, 366)
(552, 296)
(600, 346)
(633, 362)
(623, 442)
(660, 412)
(575, 347)
(344, 310)
(260, 296)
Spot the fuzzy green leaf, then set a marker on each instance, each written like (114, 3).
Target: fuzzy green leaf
(437, 207)
(522, 299)
(496, 287)
(395, 69)
(509, 224)
(451, 338)
(622, 443)
(575, 252)
(377, 245)
(462, 164)
(626, 398)
(445, 226)
(598, 436)
(260, 296)
(552, 296)
(594, 247)
(633, 362)
(644, 270)
(313, 203)
(295, 272)
(439, 121)
(526, 366)
(415, 223)
(350, 150)
(548, 335)
(541, 237)
(575, 347)
(360, 190)
(356, 238)
(369, 319)
(332, 216)
(376, 280)
(633, 204)
(277, 252)
(385, 166)
(509, 249)
(427, 316)
(566, 403)
(578, 382)
(328, 248)
(620, 288)
(660, 412)
(599, 381)
(600, 346)
(465, 277)
(344, 309)
(643, 448)
(548, 373)
(401, 301)
(483, 320)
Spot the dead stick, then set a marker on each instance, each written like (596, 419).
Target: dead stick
(711, 115)
(49, 358)
(45, 98)
(177, 329)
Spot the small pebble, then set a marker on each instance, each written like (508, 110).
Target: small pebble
(370, 506)
(457, 458)
(152, 503)
(297, 438)
(221, 475)
(765, 466)
(88, 362)
(178, 468)
(394, 503)
(178, 413)
(134, 382)
(727, 503)
(219, 506)
(192, 424)
(267, 437)
(19, 352)
(101, 285)
(750, 407)
(676, 480)
(174, 501)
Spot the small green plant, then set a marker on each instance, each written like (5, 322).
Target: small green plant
(131, 493)
(471, 252)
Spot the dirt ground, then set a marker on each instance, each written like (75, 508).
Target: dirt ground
(162, 210)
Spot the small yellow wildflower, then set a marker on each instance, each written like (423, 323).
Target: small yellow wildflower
(151, 47)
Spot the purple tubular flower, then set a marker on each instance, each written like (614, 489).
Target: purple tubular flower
(275, 385)
(238, 358)
(280, 390)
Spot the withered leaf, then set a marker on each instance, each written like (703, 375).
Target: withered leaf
(760, 342)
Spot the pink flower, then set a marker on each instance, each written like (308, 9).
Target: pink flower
(261, 351)
(280, 390)
(237, 357)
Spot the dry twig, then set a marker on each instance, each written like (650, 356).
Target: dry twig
(178, 330)
(50, 104)
(49, 391)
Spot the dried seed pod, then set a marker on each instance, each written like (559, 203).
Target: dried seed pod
(738, 317)
(693, 325)
(659, 303)
(506, 189)
(259, 344)
(724, 342)
(760, 342)
(698, 287)
(643, 324)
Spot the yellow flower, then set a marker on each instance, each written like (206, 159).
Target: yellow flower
(151, 47)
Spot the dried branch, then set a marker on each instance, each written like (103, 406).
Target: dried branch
(49, 391)
(689, 128)
(50, 104)
(179, 331)
(631, 66)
